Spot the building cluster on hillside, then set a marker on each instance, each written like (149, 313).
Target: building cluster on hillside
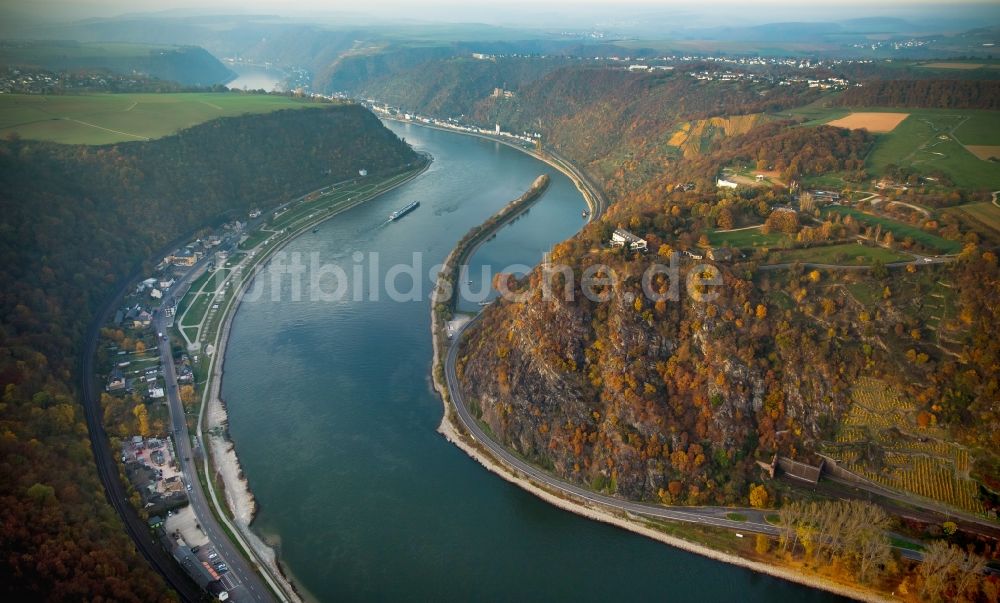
(151, 466)
(746, 61)
(639, 67)
(135, 365)
(220, 243)
(526, 138)
(894, 44)
(138, 368)
(22, 80)
(725, 76)
(828, 83)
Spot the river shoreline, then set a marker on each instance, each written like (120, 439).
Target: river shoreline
(595, 205)
(453, 434)
(453, 431)
(222, 459)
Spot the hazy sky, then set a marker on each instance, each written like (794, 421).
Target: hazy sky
(115, 7)
(547, 13)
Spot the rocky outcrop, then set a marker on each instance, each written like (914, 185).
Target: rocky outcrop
(671, 401)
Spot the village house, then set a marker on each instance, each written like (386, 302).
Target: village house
(142, 320)
(183, 257)
(723, 183)
(116, 380)
(621, 237)
(720, 254)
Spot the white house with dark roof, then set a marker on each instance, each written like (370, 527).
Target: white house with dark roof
(621, 237)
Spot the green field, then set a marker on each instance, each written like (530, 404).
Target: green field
(108, 118)
(816, 113)
(981, 127)
(34, 53)
(746, 238)
(983, 216)
(899, 230)
(847, 254)
(916, 142)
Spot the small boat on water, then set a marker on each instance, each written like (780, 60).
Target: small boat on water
(315, 230)
(402, 211)
(585, 213)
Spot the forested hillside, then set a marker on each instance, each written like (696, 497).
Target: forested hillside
(423, 80)
(926, 94)
(617, 124)
(672, 400)
(75, 220)
(186, 65)
(676, 401)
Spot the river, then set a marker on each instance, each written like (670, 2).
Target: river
(256, 78)
(334, 420)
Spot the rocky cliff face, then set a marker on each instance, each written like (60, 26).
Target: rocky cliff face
(670, 401)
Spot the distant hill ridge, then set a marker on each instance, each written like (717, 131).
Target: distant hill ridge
(187, 65)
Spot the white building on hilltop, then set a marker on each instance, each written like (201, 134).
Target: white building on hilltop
(621, 237)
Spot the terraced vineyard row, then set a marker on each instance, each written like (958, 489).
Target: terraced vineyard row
(880, 441)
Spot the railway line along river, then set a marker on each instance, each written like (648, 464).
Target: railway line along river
(334, 419)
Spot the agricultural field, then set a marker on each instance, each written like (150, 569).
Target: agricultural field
(934, 140)
(847, 254)
(963, 66)
(747, 238)
(875, 122)
(899, 230)
(931, 139)
(694, 138)
(881, 440)
(984, 152)
(983, 217)
(110, 118)
(980, 128)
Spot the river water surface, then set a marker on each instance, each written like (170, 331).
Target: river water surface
(250, 77)
(334, 420)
